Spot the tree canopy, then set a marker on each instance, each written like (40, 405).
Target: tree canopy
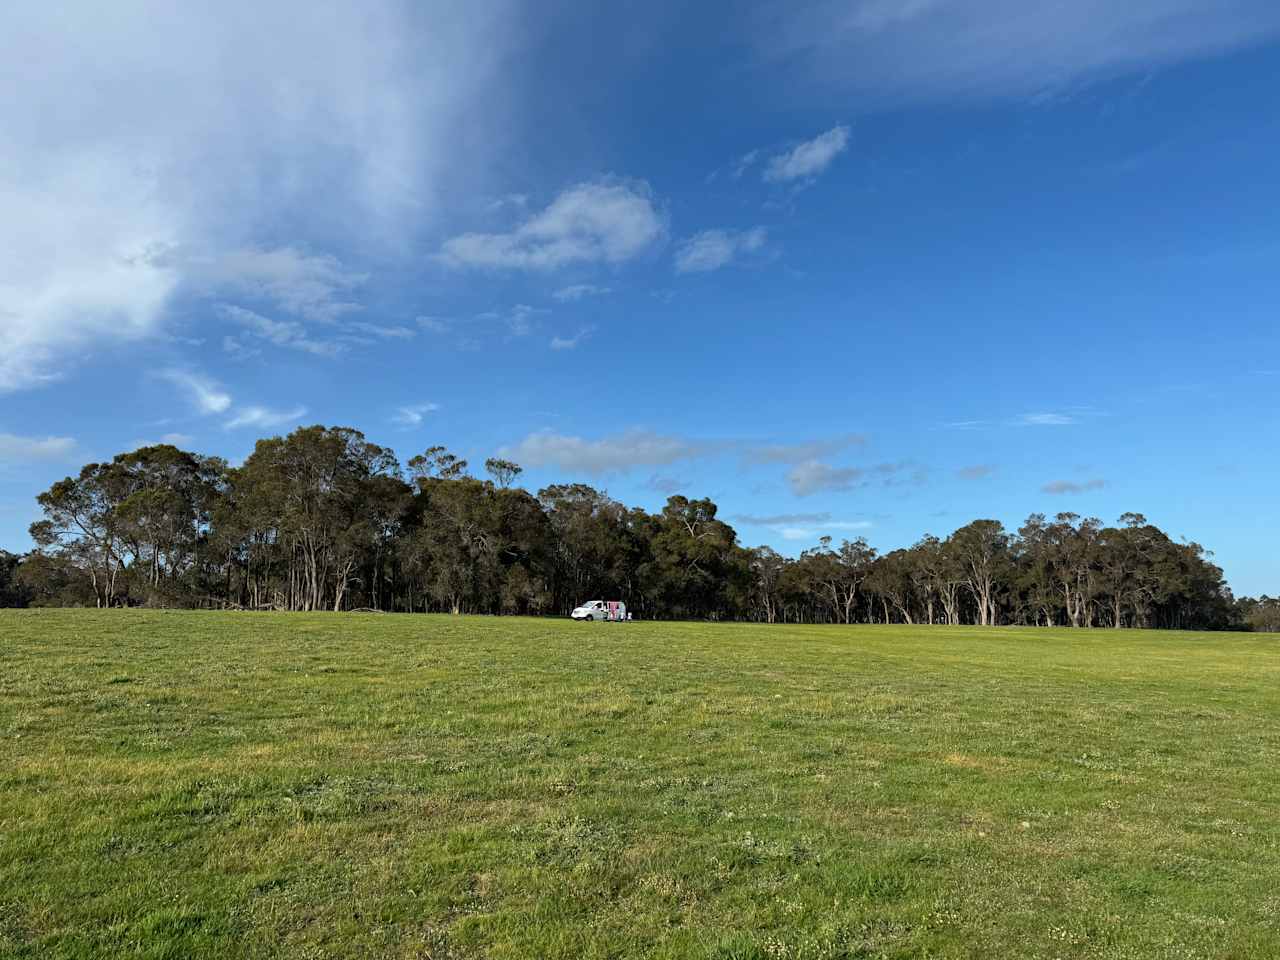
(323, 519)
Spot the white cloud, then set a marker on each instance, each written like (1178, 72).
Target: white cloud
(521, 321)
(805, 450)
(154, 147)
(434, 324)
(803, 526)
(414, 414)
(949, 49)
(1061, 487)
(381, 331)
(635, 448)
(665, 484)
(781, 519)
(255, 416)
(579, 291)
(638, 448)
(744, 163)
(16, 450)
(713, 249)
(282, 333)
(809, 158)
(206, 395)
(238, 350)
(1045, 420)
(812, 477)
(600, 222)
(824, 529)
(308, 286)
(569, 343)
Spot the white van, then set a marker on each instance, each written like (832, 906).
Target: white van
(614, 610)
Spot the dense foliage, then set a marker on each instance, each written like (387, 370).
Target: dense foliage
(324, 519)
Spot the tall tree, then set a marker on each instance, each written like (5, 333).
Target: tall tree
(981, 548)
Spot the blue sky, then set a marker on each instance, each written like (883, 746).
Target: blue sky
(858, 267)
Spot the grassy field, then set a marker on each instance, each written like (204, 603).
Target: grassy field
(240, 785)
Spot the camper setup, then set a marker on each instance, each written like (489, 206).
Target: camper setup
(614, 610)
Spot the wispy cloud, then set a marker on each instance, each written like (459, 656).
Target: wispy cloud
(382, 331)
(21, 450)
(780, 519)
(813, 476)
(413, 414)
(1046, 420)
(806, 160)
(979, 471)
(1063, 487)
(579, 291)
(640, 448)
(282, 333)
(255, 416)
(205, 394)
(801, 451)
(713, 249)
(744, 163)
(521, 319)
(634, 448)
(813, 532)
(434, 324)
(803, 526)
(665, 483)
(1050, 418)
(606, 221)
(313, 287)
(955, 49)
(570, 343)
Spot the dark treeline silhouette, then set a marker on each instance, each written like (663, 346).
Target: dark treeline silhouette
(324, 520)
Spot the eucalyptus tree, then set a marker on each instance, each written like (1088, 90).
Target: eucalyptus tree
(324, 519)
(81, 525)
(981, 550)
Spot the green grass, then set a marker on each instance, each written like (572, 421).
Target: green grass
(241, 785)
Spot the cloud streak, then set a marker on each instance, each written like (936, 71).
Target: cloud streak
(635, 448)
(571, 343)
(790, 453)
(605, 221)
(413, 414)
(205, 394)
(1046, 420)
(256, 416)
(903, 50)
(813, 476)
(809, 159)
(646, 448)
(23, 450)
(1060, 488)
(713, 249)
(281, 333)
(803, 526)
(579, 291)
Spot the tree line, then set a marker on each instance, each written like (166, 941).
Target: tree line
(323, 519)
